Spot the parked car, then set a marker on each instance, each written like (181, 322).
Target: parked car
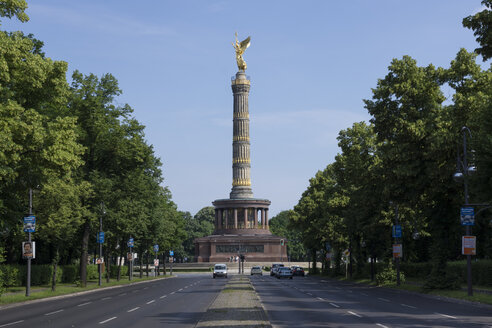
(297, 271)
(284, 273)
(274, 268)
(220, 270)
(256, 270)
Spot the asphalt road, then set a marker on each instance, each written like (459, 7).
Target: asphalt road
(314, 302)
(174, 302)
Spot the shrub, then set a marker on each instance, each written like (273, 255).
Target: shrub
(70, 273)
(388, 275)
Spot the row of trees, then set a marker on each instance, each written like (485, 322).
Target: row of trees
(405, 158)
(84, 156)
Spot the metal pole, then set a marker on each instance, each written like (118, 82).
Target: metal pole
(100, 248)
(156, 268)
(397, 258)
(28, 282)
(468, 228)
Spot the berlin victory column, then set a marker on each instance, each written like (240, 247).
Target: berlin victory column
(241, 221)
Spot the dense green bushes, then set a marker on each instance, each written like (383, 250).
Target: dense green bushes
(16, 275)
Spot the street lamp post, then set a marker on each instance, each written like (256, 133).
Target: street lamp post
(101, 240)
(462, 173)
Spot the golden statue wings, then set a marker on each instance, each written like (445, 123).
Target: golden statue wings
(240, 48)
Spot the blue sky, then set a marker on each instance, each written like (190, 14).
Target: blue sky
(311, 64)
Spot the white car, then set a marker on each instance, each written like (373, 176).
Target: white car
(256, 270)
(220, 270)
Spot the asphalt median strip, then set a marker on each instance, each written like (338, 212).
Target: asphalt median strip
(237, 305)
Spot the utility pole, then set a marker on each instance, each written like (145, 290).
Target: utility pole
(28, 282)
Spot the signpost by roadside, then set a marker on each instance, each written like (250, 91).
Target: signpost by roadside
(130, 244)
(156, 267)
(29, 227)
(171, 260)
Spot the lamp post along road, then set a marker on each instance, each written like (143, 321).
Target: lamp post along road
(397, 257)
(28, 282)
(462, 175)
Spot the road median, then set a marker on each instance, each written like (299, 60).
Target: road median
(237, 305)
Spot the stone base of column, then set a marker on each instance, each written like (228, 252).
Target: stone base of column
(241, 192)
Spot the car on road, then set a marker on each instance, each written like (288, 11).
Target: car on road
(283, 273)
(297, 271)
(256, 270)
(275, 266)
(220, 270)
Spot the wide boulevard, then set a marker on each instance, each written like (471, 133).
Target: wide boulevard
(301, 302)
(314, 302)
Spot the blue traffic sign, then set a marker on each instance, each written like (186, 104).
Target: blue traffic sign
(171, 253)
(100, 240)
(156, 248)
(130, 242)
(396, 231)
(30, 223)
(467, 215)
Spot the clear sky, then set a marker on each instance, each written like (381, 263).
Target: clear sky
(311, 64)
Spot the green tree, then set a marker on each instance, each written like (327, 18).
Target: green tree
(279, 226)
(481, 24)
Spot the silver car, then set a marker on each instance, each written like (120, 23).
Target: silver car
(283, 273)
(256, 270)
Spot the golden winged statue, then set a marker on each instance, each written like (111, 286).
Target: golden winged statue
(240, 48)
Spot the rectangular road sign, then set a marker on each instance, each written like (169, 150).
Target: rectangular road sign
(171, 253)
(130, 242)
(30, 223)
(467, 216)
(396, 231)
(469, 245)
(156, 248)
(100, 238)
(397, 250)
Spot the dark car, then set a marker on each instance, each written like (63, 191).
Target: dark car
(297, 271)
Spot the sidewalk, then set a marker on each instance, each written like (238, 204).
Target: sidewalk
(237, 305)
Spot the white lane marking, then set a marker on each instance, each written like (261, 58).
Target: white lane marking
(382, 326)
(138, 307)
(146, 287)
(408, 306)
(84, 304)
(149, 302)
(186, 287)
(335, 305)
(173, 293)
(163, 296)
(108, 320)
(320, 298)
(50, 313)
(383, 299)
(309, 294)
(353, 313)
(106, 298)
(180, 289)
(123, 294)
(11, 323)
(446, 316)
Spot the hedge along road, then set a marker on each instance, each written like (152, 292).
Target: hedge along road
(178, 302)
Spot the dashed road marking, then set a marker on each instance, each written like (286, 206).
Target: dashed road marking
(321, 299)
(138, 307)
(163, 296)
(123, 294)
(50, 313)
(107, 320)
(83, 304)
(106, 298)
(11, 323)
(146, 287)
(334, 305)
(180, 289)
(447, 316)
(149, 302)
(173, 293)
(382, 326)
(408, 306)
(309, 294)
(353, 313)
(383, 299)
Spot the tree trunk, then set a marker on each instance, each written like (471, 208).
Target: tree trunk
(108, 266)
(55, 267)
(83, 254)
(147, 266)
(141, 262)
